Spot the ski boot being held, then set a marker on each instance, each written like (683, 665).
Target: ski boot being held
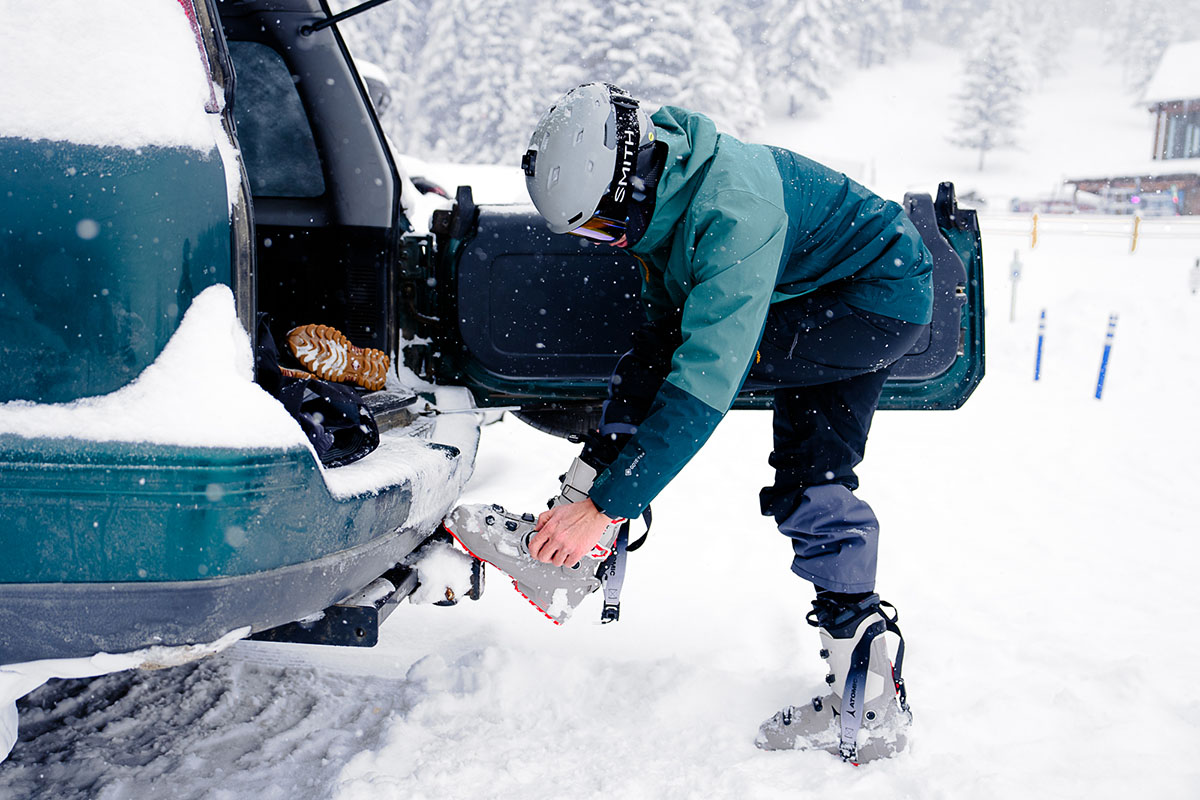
(501, 538)
(866, 714)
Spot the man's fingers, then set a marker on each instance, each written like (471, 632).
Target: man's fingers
(565, 557)
(537, 543)
(554, 553)
(543, 547)
(553, 542)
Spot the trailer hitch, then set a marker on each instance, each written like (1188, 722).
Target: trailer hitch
(355, 621)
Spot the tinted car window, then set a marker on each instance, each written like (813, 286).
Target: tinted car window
(273, 132)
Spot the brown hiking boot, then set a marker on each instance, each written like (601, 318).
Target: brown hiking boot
(329, 355)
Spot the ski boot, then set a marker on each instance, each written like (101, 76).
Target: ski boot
(866, 714)
(501, 538)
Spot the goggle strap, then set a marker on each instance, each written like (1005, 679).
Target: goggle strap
(615, 203)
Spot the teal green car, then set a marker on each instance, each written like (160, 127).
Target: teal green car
(150, 492)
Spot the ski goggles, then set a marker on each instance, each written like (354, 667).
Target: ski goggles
(600, 229)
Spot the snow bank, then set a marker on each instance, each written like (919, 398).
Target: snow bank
(125, 73)
(198, 392)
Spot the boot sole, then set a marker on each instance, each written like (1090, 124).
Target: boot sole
(514, 580)
(329, 355)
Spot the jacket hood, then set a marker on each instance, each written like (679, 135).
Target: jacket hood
(691, 141)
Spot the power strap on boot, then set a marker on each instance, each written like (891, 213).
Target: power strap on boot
(612, 571)
(898, 666)
(612, 576)
(854, 693)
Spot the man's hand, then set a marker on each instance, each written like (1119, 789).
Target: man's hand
(566, 533)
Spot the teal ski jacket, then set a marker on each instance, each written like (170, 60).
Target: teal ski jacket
(736, 227)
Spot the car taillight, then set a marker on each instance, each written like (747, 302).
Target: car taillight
(211, 105)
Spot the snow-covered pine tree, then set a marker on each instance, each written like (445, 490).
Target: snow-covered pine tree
(877, 31)
(391, 37)
(365, 36)
(948, 21)
(574, 46)
(799, 55)
(721, 81)
(882, 31)
(1143, 31)
(475, 80)
(405, 43)
(648, 48)
(995, 78)
(1044, 27)
(1047, 28)
(750, 20)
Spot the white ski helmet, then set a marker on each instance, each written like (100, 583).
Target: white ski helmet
(582, 159)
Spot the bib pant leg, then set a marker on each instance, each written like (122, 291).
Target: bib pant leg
(828, 362)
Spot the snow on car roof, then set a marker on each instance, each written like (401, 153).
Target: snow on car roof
(1177, 76)
(125, 73)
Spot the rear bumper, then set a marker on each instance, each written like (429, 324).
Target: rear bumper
(112, 547)
(70, 620)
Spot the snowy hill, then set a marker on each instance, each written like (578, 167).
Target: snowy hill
(898, 123)
(1039, 545)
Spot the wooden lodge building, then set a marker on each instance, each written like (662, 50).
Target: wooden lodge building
(1169, 183)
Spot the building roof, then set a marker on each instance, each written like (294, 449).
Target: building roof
(1177, 76)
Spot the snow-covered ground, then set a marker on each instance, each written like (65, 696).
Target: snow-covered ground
(1039, 544)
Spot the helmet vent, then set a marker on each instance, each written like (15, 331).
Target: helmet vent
(579, 136)
(553, 176)
(591, 165)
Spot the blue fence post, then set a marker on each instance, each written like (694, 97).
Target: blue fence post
(1037, 365)
(1108, 340)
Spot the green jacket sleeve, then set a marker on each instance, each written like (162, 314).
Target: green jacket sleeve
(733, 245)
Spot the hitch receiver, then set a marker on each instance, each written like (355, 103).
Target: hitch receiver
(350, 624)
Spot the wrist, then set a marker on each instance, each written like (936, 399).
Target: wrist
(612, 520)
